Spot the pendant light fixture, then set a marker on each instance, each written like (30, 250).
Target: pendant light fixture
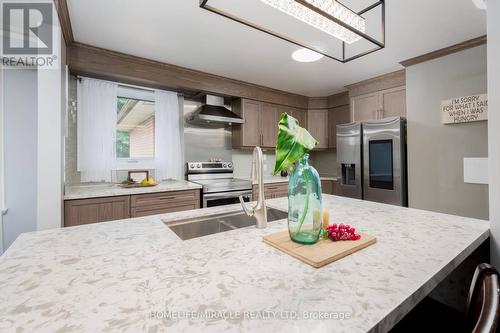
(347, 27)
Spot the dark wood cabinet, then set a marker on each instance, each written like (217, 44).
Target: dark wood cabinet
(93, 210)
(86, 211)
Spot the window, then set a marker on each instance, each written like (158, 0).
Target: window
(135, 129)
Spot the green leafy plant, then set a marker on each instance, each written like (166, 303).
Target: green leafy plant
(292, 143)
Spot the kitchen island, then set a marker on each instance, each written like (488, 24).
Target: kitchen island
(136, 275)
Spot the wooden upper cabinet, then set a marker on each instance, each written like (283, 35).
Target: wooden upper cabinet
(378, 105)
(336, 116)
(269, 120)
(300, 115)
(317, 125)
(249, 133)
(393, 102)
(261, 122)
(365, 107)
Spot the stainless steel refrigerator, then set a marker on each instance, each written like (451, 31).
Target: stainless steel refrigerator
(371, 160)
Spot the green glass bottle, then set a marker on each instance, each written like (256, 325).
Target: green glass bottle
(304, 203)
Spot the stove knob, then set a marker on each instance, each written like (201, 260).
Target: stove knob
(191, 166)
(198, 165)
(230, 165)
(224, 165)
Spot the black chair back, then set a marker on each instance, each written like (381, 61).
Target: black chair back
(483, 303)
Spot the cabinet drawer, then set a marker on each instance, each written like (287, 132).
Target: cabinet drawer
(163, 209)
(276, 190)
(164, 198)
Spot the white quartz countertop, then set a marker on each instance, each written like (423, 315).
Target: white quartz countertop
(108, 190)
(136, 275)
(278, 179)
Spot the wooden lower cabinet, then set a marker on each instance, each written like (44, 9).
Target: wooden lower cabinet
(280, 190)
(327, 186)
(165, 202)
(86, 211)
(271, 191)
(335, 187)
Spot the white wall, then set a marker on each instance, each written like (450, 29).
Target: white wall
(2, 165)
(436, 151)
(325, 162)
(242, 159)
(51, 88)
(20, 152)
(494, 126)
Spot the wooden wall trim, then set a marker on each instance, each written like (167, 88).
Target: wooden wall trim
(339, 99)
(382, 82)
(445, 51)
(63, 13)
(106, 64)
(318, 103)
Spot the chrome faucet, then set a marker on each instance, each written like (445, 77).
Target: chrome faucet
(259, 210)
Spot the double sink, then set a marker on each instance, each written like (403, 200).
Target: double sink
(212, 224)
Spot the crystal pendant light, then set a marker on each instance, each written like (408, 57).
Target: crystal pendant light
(331, 7)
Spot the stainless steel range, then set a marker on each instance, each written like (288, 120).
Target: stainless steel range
(219, 185)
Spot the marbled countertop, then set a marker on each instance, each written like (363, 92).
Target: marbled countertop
(108, 190)
(128, 275)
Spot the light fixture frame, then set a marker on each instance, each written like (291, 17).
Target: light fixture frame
(378, 44)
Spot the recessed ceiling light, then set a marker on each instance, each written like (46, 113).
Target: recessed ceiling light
(306, 55)
(481, 4)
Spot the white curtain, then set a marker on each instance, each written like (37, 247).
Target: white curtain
(97, 103)
(168, 136)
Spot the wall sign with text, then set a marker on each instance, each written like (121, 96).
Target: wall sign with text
(465, 109)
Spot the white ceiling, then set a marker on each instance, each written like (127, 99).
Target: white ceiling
(179, 32)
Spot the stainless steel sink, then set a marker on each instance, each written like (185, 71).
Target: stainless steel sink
(207, 225)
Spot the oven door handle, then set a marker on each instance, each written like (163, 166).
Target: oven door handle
(226, 195)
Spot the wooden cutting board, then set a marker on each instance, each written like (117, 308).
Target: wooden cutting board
(320, 254)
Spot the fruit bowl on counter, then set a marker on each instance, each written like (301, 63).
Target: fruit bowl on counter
(144, 183)
(131, 183)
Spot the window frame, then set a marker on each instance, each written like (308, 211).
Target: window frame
(124, 163)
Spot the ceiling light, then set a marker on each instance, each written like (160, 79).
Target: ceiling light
(481, 4)
(326, 17)
(320, 22)
(306, 55)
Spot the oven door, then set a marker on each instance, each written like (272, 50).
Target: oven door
(225, 198)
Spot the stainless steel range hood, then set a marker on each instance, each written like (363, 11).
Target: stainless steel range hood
(213, 112)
